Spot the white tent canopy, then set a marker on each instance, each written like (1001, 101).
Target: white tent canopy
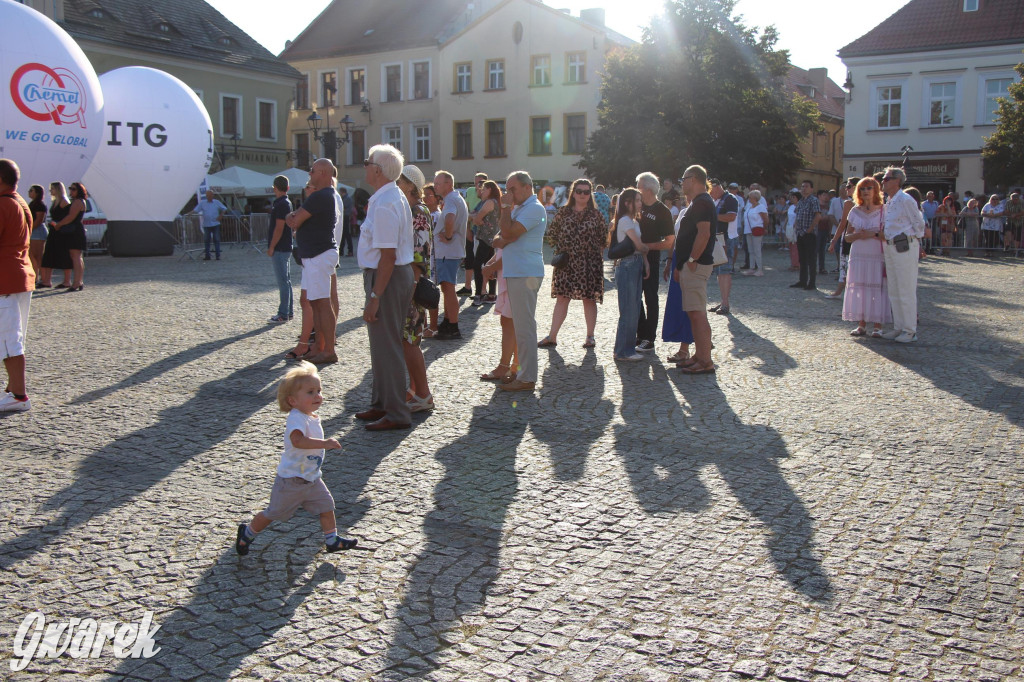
(237, 180)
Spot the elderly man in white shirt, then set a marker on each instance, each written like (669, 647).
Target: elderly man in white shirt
(904, 228)
(385, 254)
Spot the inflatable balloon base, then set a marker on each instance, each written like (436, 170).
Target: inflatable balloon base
(130, 238)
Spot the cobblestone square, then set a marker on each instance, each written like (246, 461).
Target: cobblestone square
(824, 507)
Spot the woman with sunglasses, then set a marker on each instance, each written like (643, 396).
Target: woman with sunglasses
(72, 233)
(866, 298)
(629, 273)
(577, 231)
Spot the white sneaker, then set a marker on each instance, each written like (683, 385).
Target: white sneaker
(906, 337)
(635, 357)
(417, 404)
(891, 334)
(8, 403)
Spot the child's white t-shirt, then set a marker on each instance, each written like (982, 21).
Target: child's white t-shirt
(299, 461)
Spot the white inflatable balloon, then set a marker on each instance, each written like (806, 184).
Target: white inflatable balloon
(156, 147)
(51, 109)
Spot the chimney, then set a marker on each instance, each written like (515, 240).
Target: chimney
(817, 78)
(593, 16)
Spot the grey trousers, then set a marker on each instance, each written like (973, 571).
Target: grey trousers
(522, 296)
(387, 361)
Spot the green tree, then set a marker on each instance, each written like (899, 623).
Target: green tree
(700, 88)
(1003, 154)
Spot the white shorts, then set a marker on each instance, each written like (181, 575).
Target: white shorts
(317, 272)
(14, 323)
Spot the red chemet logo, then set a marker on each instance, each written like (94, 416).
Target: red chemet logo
(45, 94)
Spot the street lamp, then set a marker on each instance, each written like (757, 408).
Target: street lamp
(367, 109)
(323, 134)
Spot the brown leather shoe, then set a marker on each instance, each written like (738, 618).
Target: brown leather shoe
(385, 425)
(323, 359)
(371, 415)
(518, 385)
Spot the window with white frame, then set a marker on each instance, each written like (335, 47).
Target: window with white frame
(992, 89)
(464, 77)
(496, 74)
(541, 69)
(392, 135)
(420, 80)
(230, 115)
(266, 119)
(970, 5)
(328, 88)
(941, 104)
(576, 67)
(392, 83)
(888, 106)
(420, 142)
(355, 85)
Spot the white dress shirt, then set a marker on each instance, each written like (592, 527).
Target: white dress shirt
(902, 216)
(388, 225)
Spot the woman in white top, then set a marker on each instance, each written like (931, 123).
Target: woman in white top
(866, 298)
(629, 273)
(755, 221)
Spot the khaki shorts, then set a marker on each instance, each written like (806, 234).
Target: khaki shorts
(288, 494)
(694, 285)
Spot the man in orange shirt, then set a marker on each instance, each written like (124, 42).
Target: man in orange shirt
(17, 280)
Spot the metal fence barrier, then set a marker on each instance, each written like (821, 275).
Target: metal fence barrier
(248, 230)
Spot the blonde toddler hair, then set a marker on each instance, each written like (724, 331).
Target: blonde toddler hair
(293, 381)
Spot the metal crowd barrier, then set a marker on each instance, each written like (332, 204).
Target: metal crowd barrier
(965, 234)
(248, 230)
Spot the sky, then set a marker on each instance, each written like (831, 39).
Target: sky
(812, 36)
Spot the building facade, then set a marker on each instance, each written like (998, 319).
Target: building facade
(467, 88)
(822, 150)
(924, 86)
(247, 90)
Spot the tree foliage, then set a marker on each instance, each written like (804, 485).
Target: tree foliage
(700, 88)
(1003, 154)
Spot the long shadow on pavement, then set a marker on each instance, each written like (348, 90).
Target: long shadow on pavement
(126, 468)
(453, 572)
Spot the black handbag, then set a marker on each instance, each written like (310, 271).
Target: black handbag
(621, 249)
(559, 259)
(426, 294)
(295, 255)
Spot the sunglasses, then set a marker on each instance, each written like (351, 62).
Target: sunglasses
(582, 192)
(367, 162)
(889, 177)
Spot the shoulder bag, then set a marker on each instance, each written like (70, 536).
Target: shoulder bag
(426, 294)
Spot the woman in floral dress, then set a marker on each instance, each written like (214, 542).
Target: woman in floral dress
(419, 398)
(578, 230)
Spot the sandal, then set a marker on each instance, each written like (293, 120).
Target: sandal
(876, 333)
(679, 356)
(688, 362)
(292, 355)
(859, 331)
(589, 343)
(697, 368)
(497, 374)
(546, 342)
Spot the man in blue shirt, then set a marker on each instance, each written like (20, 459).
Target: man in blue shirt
(210, 210)
(523, 222)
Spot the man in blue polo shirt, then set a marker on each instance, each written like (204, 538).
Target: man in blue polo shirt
(210, 211)
(523, 222)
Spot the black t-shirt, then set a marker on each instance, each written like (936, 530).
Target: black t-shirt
(280, 210)
(727, 204)
(317, 234)
(655, 223)
(700, 210)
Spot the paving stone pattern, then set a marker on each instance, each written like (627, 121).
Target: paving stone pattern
(825, 507)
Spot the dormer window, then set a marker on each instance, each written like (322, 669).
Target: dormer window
(164, 27)
(970, 5)
(225, 41)
(97, 14)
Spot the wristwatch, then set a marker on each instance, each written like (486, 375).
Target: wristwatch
(691, 259)
(373, 294)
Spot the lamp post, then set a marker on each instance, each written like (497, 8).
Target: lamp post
(367, 109)
(323, 133)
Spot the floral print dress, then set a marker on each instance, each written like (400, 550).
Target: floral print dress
(422, 235)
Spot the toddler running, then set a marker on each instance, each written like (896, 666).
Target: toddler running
(299, 481)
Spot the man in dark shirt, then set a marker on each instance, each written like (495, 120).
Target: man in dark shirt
(656, 230)
(314, 225)
(808, 211)
(279, 248)
(694, 247)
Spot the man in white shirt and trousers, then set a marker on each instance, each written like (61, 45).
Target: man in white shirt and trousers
(903, 221)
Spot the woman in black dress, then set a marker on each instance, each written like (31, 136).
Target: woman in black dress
(73, 233)
(37, 239)
(55, 253)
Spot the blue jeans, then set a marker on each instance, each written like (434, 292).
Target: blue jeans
(629, 276)
(212, 231)
(282, 271)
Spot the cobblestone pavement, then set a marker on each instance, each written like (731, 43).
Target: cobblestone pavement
(823, 508)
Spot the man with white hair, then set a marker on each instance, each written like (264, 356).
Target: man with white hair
(657, 231)
(385, 253)
(904, 228)
(522, 224)
(314, 226)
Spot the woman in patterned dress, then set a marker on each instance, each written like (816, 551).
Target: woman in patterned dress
(578, 230)
(418, 398)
